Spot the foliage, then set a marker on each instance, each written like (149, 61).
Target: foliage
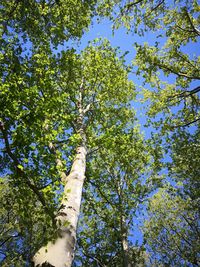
(167, 66)
(172, 229)
(44, 21)
(185, 161)
(114, 195)
(170, 73)
(24, 225)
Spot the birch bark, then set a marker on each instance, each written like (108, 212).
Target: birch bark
(125, 245)
(123, 226)
(60, 253)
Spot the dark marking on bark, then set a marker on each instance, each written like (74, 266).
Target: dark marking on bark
(70, 207)
(45, 264)
(61, 213)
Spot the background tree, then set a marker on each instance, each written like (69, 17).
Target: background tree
(174, 26)
(170, 73)
(109, 207)
(172, 229)
(119, 179)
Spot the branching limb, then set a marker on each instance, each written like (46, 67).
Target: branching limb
(181, 74)
(20, 170)
(7, 239)
(131, 4)
(186, 93)
(186, 124)
(157, 6)
(197, 31)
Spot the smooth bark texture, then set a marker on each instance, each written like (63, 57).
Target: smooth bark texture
(61, 252)
(125, 245)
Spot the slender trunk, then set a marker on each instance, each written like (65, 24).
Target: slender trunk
(125, 245)
(123, 227)
(60, 252)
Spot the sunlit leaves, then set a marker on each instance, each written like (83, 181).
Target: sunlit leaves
(44, 21)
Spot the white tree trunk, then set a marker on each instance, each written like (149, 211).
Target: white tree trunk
(61, 252)
(125, 244)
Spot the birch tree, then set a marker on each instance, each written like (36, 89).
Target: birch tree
(79, 101)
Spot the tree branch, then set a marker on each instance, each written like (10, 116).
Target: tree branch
(186, 93)
(182, 74)
(129, 5)
(20, 171)
(157, 6)
(8, 238)
(191, 23)
(186, 124)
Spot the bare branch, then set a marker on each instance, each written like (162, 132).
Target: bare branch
(129, 5)
(189, 123)
(8, 238)
(157, 6)
(186, 93)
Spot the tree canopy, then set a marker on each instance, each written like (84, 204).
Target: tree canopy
(80, 183)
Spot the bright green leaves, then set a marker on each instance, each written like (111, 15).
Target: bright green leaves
(100, 75)
(45, 92)
(173, 216)
(46, 21)
(185, 161)
(107, 88)
(20, 167)
(108, 70)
